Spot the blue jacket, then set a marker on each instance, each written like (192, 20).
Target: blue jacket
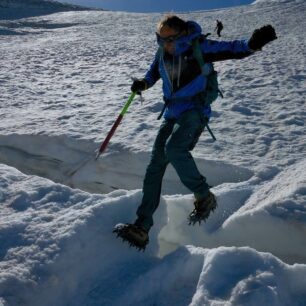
(181, 73)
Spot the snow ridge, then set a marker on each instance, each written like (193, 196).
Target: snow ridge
(15, 9)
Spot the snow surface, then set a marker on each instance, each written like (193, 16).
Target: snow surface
(64, 79)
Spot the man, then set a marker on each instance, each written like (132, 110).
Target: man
(186, 114)
(219, 27)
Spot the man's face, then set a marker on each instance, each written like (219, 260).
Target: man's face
(168, 36)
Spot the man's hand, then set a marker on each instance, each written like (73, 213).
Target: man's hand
(139, 85)
(261, 37)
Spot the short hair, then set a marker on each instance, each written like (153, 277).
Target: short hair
(173, 22)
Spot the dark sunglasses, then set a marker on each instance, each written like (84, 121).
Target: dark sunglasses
(168, 39)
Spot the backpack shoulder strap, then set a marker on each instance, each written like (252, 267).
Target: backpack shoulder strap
(197, 52)
(198, 55)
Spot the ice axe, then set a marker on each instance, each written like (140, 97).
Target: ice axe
(104, 144)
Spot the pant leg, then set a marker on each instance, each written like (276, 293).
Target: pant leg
(153, 179)
(184, 137)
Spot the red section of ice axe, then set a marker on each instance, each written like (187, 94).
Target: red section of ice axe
(115, 125)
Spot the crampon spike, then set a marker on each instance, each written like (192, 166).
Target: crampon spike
(134, 236)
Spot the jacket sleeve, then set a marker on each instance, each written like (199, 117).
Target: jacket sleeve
(152, 75)
(214, 51)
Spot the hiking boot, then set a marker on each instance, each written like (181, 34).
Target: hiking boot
(135, 235)
(202, 209)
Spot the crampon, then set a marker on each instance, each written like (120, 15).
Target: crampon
(134, 235)
(202, 209)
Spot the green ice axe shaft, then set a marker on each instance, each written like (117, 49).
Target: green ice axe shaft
(115, 125)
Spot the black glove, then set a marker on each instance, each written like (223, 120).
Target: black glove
(139, 85)
(262, 36)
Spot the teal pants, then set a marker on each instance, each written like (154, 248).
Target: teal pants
(174, 141)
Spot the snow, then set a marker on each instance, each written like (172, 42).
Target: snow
(64, 79)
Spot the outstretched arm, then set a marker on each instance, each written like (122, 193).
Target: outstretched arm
(214, 51)
(222, 50)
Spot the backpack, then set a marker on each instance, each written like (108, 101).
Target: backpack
(212, 90)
